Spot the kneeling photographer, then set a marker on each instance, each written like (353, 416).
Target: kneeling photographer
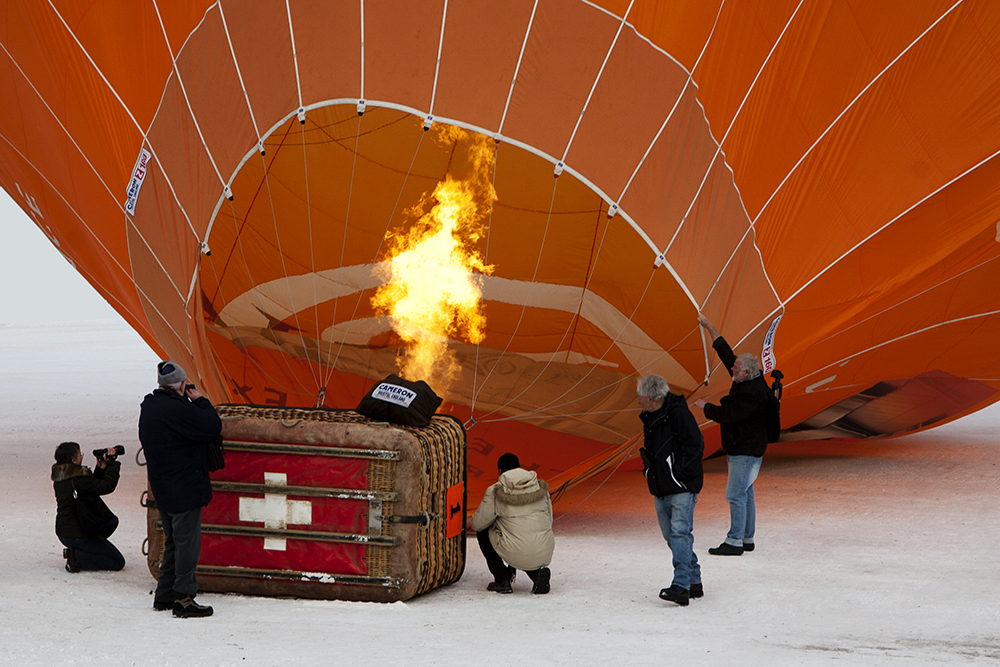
(83, 522)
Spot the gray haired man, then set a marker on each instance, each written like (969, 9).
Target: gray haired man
(671, 458)
(743, 418)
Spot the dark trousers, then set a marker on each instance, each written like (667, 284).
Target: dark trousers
(493, 561)
(181, 550)
(96, 553)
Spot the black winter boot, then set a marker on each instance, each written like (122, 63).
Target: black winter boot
(69, 553)
(675, 594)
(726, 549)
(504, 585)
(540, 579)
(186, 607)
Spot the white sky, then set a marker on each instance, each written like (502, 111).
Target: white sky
(39, 284)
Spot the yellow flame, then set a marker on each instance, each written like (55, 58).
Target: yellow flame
(433, 292)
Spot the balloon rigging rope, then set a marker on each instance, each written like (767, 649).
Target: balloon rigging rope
(482, 305)
(284, 270)
(236, 330)
(312, 253)
(255, 293)
(573, 320)
(599, 486)
(591, 272)
(524, 306)
(378, 251)
(340, 265)
(552, 404)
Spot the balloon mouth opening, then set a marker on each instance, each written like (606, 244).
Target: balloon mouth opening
(304, 289)
(361, 191)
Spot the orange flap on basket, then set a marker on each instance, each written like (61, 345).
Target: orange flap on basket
(456, 509)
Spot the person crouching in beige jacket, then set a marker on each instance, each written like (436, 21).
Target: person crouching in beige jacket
(514, 524)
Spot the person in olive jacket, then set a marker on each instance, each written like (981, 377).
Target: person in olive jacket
(70, 480)
(176, 426)
(742, 416)
(671, 458)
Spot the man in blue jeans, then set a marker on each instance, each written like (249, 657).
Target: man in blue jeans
(671, 458)
(742, 416)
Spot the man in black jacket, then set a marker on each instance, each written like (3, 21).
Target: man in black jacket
(176, 426)
(742, 416)
(671, 461)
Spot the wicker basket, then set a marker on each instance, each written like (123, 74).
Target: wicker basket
(329, 504)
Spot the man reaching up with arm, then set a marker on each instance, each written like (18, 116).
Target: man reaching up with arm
(742, 416)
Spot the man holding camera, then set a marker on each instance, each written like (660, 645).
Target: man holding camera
(176, 426)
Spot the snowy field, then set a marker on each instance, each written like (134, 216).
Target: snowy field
(883, 553)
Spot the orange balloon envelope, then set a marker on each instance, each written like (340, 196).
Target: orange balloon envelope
(240, 181)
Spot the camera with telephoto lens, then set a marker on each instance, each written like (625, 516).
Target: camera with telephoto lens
(102, 454)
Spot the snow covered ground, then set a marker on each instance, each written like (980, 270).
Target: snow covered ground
(883, 553)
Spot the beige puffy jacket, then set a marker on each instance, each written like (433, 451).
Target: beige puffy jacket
(517, 511)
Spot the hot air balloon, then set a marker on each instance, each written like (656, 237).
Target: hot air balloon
(238, 179)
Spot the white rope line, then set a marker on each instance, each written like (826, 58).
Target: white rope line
(592, 269)
(891, 341)
(753, 222)
(114, 259)
(256, 129)
(362, 95)
(688, 82)
(538, 411)
(128, 111)
(482, 304)
(222, 368)
(312, 260)
(783, 305)
(624, 458)
(649, 149)
(284, 268)
(275, 382)
(180, 82)
(851, 105)
(527, 296)
(343, 247)
(517, 69)
(597, 80)
(908, 299)
(656, 47)
(708, 40)
(536, 415)
(239, 75)
(378, 251)
(553, 403)
(437, 65)
(256, 297)
(732, 123)
(718, 279)
(295, 56)
(118, 205)
(886, 226)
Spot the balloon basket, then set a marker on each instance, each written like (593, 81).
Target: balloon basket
(329, 504)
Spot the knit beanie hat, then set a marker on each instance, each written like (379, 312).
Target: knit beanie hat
(168, 373)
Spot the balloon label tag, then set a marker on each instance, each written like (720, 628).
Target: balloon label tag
(393, 393)
(456, 516)
(138, 177)
(767, 360)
